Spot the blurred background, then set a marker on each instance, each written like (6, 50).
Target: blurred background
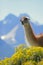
(11, 30)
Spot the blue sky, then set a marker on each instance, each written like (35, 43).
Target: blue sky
(32, 7)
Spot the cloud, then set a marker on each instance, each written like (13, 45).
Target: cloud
(10, 37)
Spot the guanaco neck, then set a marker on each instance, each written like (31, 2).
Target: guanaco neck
(29, 34)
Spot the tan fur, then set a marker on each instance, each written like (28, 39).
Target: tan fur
(34, 40)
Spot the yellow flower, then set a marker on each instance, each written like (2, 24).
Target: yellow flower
(28, 63)
(25, 56)
(7, 61)
(0, 62)
(40, 63)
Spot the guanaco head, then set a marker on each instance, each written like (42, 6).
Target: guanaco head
(24, 20)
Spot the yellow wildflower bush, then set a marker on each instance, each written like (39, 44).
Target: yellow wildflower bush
(1, 63)
(29, 63)
(25, 56)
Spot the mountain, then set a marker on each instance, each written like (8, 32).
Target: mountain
(37, 28)
(5, 50)
(7, 45)
(7, 26)
(11, 20)
(8, 23)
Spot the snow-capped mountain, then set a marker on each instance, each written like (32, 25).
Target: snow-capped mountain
(7, 25)
(12, 34)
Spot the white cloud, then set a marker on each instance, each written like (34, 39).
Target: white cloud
(10, 37)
